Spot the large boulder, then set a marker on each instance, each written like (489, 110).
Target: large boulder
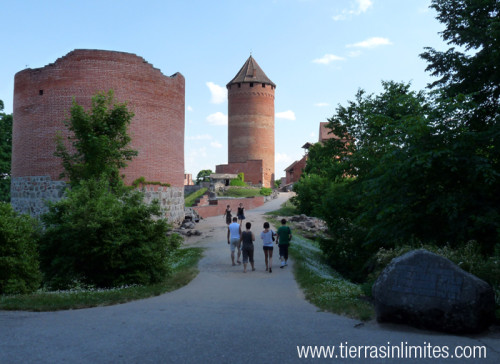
(428, 291)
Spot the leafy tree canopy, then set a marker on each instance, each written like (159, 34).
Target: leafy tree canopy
(5, 153)
(472, 68)
(99, 138)
(203, 176)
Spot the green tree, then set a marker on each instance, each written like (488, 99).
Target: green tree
(5, 153)
(472, 68)
(97, 237)
(19, 265)
(103, 233)
(203, 176)
(99, 139)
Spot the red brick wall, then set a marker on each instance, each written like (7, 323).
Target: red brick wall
(293, 175)
(251, 126)
(220, 207)
(43, 97)
(253, 170)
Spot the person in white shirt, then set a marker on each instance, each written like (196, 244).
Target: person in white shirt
(233, 239)
(267, 242)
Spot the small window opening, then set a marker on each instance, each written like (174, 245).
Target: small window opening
(263, 85)
(239, 85)
(40, 92)
(251, 84)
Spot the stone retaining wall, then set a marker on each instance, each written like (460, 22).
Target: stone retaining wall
(28, 194)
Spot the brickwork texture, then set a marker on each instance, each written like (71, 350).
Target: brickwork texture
(43, 98)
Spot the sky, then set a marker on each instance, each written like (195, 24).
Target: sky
(317, 52)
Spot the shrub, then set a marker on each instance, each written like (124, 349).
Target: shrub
(19, 265)
(237, 182)
(105, 237)
(265, 191)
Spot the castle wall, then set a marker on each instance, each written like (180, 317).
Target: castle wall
(218, 207)
(253, 170)
(251, 126)
(43, 98)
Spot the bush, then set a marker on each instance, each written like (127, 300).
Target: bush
(19, 265)
(104, 237)
(310, 190)
(237, 182)
(265, 191)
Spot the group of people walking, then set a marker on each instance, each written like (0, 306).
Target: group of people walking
(241, 243)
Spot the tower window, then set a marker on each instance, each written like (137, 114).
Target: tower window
(263, 85)
(40, 92)
(251, 84)
(239, 85)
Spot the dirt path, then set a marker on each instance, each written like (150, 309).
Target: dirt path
(222, 316)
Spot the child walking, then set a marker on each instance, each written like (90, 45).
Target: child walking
(267, 243)
(247, 238)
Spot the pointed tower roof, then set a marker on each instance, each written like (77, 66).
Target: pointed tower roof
(251, 72)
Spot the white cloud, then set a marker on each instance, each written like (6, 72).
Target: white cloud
(288, 115)
(328, 58)
(199, 137)
(321, 104)
(216, 144)
(371, 43)
(219, 93)
(217, 118)
(189, 108)
(280, 158)
(363, 6)
(359, 7)
(354, 54)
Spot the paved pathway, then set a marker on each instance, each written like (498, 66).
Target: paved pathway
(222, 316)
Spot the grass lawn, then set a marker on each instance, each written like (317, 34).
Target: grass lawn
(191, 198)
(184, 264)
(241, 192)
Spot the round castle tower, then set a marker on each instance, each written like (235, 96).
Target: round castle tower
(42, 101)
(251, 124)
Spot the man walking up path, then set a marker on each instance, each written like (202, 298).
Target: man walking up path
(233, 239)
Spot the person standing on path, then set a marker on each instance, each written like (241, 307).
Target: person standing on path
(241, 214)
(233, 239)
(228, 215)
(267, 242)
(283, 237)
(247, 238)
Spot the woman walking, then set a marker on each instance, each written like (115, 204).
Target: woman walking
(267, 242)
(228, 215)
(241, 214)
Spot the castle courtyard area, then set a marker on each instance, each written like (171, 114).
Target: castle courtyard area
(223, 316)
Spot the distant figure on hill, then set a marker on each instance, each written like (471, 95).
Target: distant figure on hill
(267, 237)
(241, 214)
(227, 215)
(247, 238)
(284, 235)
(233, 239)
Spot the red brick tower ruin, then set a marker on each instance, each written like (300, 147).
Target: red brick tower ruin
(42, 101)
(251, 125)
